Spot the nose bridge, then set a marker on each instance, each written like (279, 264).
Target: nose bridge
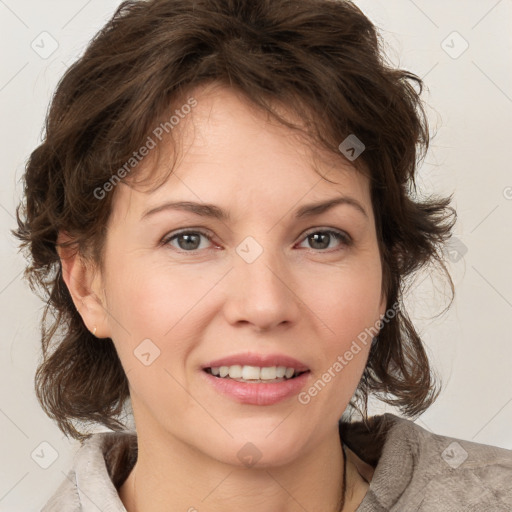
(261, 288)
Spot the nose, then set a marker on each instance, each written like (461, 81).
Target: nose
(262, 293)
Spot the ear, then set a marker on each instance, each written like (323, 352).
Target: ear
(85, 287)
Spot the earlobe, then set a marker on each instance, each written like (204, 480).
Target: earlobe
(383, 305)
(83, 283)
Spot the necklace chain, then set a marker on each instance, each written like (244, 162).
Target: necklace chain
(344, 489)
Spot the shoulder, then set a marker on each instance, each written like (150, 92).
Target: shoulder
(99, 466)
(420, 470)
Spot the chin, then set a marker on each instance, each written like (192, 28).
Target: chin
(261, 443)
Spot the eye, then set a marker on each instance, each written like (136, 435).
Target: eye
(320, 239)
(188, 241)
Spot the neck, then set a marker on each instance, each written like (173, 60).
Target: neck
(180, 478)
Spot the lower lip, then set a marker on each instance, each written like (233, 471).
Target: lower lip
(258, 393)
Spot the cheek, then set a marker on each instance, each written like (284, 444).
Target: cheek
(347, 305)
(348, 308)
(155, 325)
(348, 300)
(151, 298)
(156, 302)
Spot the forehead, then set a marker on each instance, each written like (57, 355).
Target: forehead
(226, 150)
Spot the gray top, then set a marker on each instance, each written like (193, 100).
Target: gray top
(414, 470)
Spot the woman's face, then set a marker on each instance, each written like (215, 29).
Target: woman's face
(262, 285)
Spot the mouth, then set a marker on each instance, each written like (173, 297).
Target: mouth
(256, 379)
(255, 374)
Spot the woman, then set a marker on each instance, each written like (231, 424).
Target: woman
(222, 215)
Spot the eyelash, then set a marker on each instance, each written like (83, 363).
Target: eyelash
(341, 236)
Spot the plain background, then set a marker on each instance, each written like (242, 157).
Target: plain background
(463, 52)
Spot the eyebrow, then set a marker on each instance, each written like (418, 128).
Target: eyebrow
(213, 211)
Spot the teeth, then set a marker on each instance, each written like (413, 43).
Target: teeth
(253, 372)
(249, 373)
(267, 373)
(235, 371)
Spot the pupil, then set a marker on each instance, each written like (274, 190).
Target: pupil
(189, 240)
(315, 236)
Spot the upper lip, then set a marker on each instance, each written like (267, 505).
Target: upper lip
(261, 360)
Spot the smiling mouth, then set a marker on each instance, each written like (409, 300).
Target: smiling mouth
(255, 374)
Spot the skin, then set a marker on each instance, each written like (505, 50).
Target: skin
(297, 298)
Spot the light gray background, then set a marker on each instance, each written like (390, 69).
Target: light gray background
(470, 99)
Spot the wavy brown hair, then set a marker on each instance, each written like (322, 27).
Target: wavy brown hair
(323, 60)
